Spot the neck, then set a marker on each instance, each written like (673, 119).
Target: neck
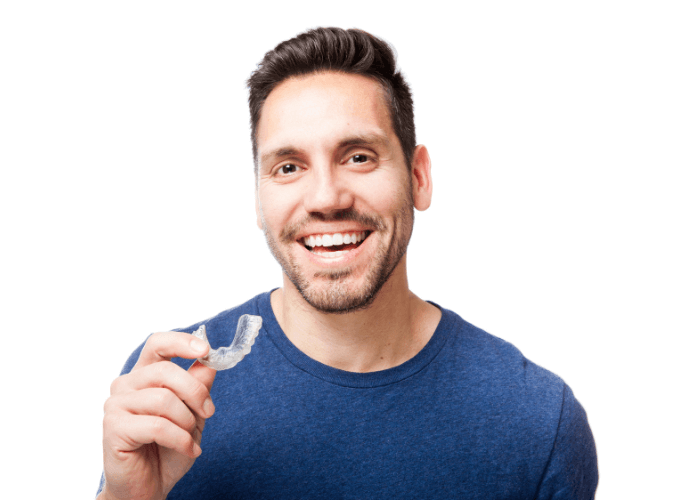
(393, 329)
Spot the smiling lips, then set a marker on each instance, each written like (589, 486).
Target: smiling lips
(332, 244)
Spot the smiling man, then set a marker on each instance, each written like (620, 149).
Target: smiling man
(319, 191)
(355, 388)
(335, 200)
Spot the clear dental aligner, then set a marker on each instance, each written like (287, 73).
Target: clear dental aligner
(224, 358)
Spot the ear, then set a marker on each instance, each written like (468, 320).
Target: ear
(257, 208)
(422, 178)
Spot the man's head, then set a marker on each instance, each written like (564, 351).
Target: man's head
(334, 49)
(334, 196)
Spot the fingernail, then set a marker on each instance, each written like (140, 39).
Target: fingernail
(199, 345)
(197, 450)
(208, 407)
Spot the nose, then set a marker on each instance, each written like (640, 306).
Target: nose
(327, 193)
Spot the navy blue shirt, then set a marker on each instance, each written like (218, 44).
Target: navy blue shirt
(468, 417)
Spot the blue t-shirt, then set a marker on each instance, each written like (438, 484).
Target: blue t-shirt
(468, 417)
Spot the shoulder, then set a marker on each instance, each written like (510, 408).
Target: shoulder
(492, 359)
(492, 373)
(533, 409)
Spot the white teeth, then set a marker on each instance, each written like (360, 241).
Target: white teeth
(328, 240)
(332, 255)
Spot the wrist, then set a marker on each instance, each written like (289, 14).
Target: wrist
(105, 495)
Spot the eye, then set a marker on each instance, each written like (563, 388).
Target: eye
(359, 159)
(287, 169)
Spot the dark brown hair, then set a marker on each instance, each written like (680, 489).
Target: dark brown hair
(335, 49)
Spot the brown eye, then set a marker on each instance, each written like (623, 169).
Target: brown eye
(358, 159)
(288, 169)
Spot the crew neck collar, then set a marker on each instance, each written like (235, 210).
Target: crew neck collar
(353, 379)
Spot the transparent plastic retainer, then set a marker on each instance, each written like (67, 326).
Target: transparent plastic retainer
(224, 358)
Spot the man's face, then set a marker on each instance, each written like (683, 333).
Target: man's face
(332, 172)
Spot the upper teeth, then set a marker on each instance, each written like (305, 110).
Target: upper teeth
(329, 240)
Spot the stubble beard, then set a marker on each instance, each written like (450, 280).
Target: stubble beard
(328, 292)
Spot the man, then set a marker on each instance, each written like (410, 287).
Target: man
(355, 387)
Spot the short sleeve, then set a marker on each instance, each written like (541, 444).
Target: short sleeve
(572, 470)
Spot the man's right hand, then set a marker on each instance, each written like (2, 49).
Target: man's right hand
(154, 419)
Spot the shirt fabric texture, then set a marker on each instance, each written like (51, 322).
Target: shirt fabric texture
(468, 417)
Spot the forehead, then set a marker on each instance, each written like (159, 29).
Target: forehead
(320, 109)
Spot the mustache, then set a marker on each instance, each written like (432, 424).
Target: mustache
(289, 233)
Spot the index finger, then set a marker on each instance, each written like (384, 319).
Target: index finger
(163, 346)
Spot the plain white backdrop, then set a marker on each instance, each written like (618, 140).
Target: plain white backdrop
(565, 140)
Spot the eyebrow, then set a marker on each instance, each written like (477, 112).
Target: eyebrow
(354, 140)
(364, 140)
(279, 153)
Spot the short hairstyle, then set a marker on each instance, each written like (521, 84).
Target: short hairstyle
(334, 49)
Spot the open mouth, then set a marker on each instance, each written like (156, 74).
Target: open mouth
(330, 244)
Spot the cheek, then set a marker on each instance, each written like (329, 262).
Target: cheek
(276, 208)
(386, 197)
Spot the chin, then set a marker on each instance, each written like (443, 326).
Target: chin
(336, 299)
(338, 292)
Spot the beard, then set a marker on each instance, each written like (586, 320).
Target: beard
(329, 291)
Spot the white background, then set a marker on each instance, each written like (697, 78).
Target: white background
(565, 140)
